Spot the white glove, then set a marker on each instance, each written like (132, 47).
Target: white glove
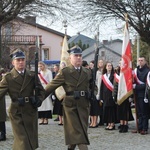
(97, 97)
(130, 99)
(53, 97)
(134, 85)
(145, 100)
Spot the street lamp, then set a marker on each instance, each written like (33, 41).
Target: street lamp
(65, 26)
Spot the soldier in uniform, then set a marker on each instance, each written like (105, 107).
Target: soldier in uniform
(20, 85)
(2, 120)
(2, 113)
(75, 80)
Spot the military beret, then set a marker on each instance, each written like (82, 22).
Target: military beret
(17, 54)
(75, 50)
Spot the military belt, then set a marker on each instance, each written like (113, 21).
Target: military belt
(27, 99)
(23, 100)
(80, 93)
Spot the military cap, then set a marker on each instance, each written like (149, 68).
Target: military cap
(75, 50)
(17, 54)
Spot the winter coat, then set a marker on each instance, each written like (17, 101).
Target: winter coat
(76, 111)
(23, 118)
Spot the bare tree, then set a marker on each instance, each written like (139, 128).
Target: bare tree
(52, 10)
(94, 12)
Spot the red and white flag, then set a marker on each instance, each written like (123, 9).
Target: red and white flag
(125, 87)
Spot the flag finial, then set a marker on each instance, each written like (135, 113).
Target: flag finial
(126, 17)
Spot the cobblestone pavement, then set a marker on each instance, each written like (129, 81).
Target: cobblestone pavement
(51, 137)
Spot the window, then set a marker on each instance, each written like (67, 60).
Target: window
(46, 53)
(102, 53)
(8, 31)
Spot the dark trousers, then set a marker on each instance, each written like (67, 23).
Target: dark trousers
(2, 127)
(143, 114)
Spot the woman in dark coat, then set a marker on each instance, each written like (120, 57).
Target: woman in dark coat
(109, 114)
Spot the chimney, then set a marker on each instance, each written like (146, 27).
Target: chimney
(30, 19)
(78, 33)
(105, 42)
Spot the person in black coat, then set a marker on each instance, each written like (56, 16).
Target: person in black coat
(109, 106)
(58, 110)
(140, 75)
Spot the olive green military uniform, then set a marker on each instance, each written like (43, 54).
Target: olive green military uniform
(2, 107)
(23, 118)
(2, 110)
(2, 117)
(76, 111)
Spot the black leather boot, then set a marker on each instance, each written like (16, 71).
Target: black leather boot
(121, 128)
(2, 137)
(71, 147)
(125, 129)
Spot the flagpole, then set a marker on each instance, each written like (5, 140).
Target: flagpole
(64, 61)
(134, 95)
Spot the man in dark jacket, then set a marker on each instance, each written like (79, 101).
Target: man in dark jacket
(75, 81)
(140, 75)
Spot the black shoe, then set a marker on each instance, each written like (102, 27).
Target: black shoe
(111, 127)
(57, 119)
(107, 128)
(143, 132)
(95, 126)
(121, 128)
(125, 129)
(2, 137)
(71, 147)
(101, 124)
(60, 124)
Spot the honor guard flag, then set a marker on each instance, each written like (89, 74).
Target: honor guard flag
(64, 61)
(125, 87)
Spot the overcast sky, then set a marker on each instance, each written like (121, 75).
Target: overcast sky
(107, 31)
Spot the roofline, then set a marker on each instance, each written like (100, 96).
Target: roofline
(43, 27)
(102, 46)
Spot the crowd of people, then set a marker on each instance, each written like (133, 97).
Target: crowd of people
(76, 111)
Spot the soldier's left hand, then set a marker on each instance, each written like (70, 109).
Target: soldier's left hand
(38, 103)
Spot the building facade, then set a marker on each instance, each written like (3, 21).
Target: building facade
(26, 34)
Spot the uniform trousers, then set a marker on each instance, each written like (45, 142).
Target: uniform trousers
(2, 127)
(143, 114)
(80, 146)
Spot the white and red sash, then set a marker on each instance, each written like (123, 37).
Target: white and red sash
(42, 78)
(107, 82)
(117, 77)
(148, 79)
(136, 78)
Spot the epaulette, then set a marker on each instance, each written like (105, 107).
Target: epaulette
(87, 69)
(7, 73)
(64, 68)
(31, 73)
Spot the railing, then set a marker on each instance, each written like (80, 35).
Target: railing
(20, 39)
